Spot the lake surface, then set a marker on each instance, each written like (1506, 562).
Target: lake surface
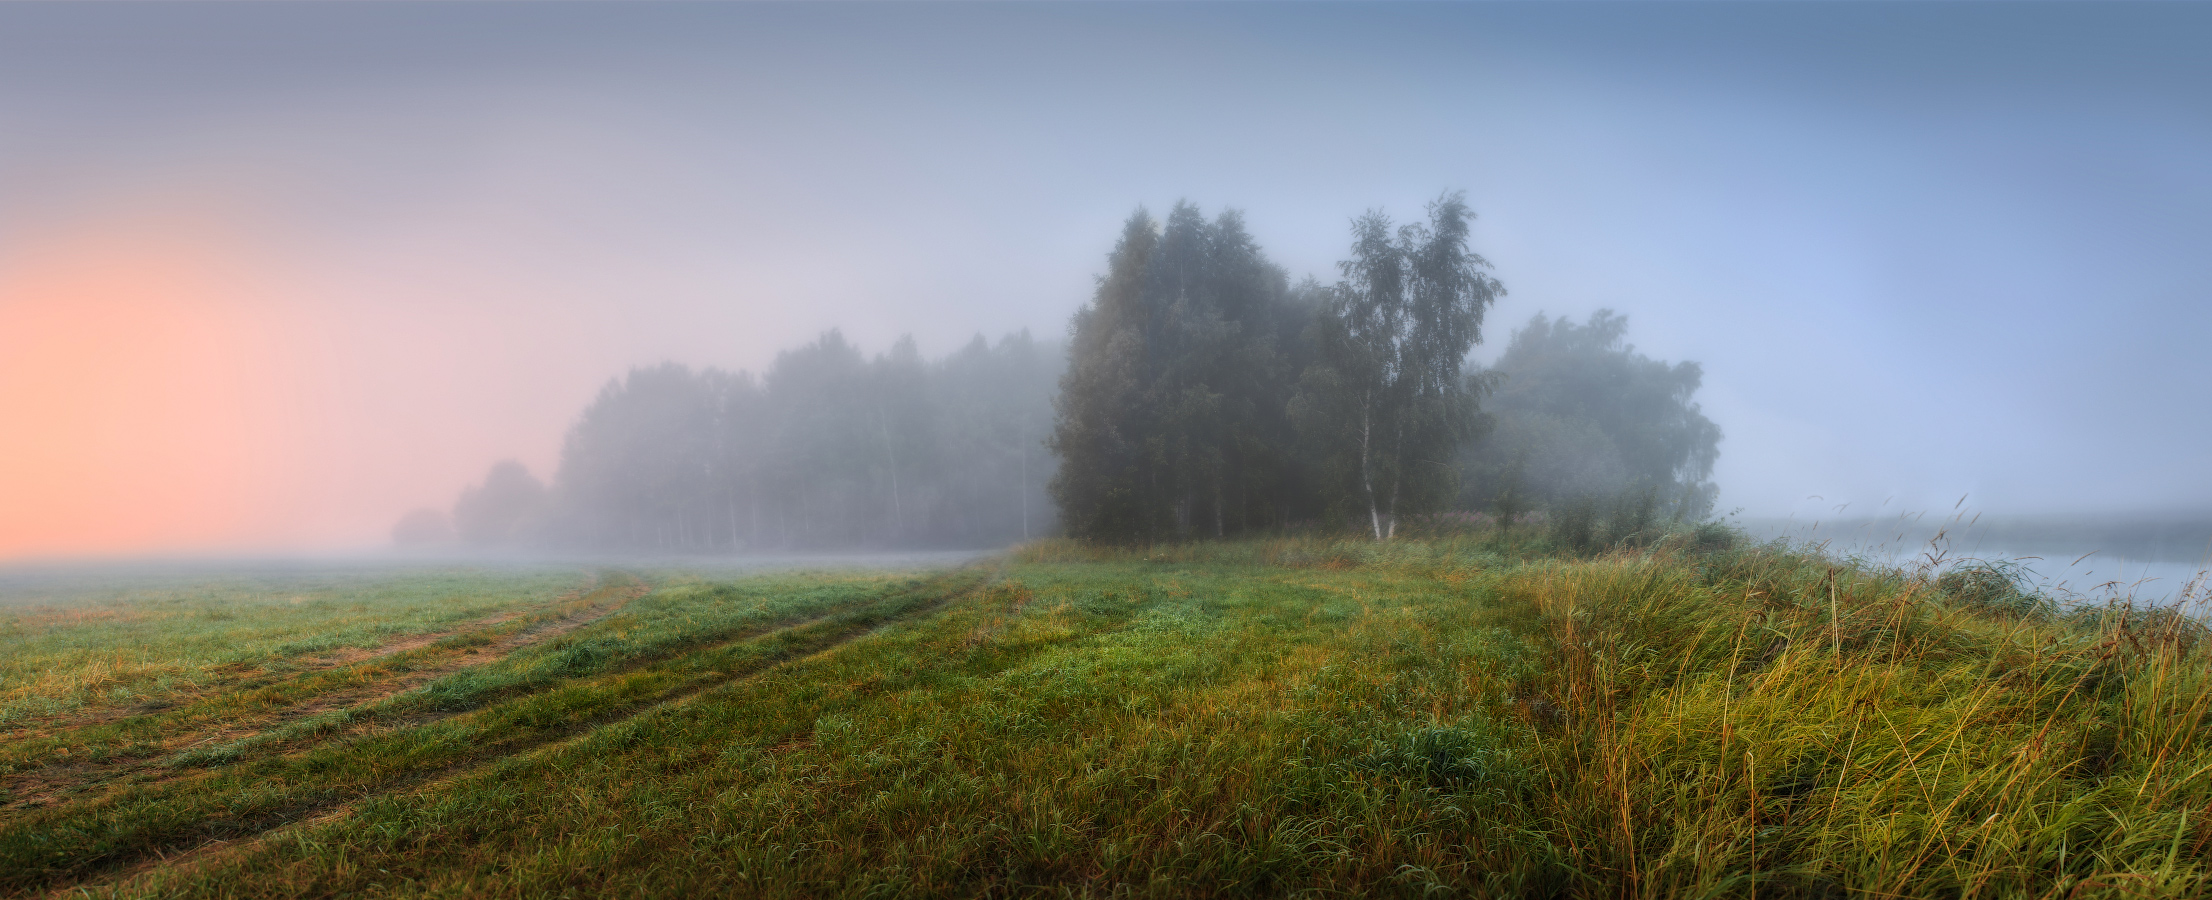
(2079, 573)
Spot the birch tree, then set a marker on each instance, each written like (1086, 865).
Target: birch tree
(1386, 405)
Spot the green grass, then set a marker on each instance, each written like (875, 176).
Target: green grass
(85, 650)
(1458, 715)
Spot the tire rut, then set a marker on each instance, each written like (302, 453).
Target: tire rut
(42, 786)
(300, 667)
(118, 872)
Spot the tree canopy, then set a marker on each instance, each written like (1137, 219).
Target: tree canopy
(1580, 415)
(1385, 406)
(1171, 419)
(1205, 396)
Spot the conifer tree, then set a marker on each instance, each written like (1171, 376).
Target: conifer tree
(1171, 415)
(1105, 488)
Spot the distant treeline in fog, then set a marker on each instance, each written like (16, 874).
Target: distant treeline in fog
(1201, 394)
(829, 449)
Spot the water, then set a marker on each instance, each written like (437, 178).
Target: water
(2090, 576)
(2080, 573)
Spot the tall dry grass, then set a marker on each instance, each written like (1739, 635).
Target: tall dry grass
(1772, 722)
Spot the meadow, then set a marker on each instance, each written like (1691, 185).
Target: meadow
(1458, 714)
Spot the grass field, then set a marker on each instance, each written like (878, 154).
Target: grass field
(1454, 715)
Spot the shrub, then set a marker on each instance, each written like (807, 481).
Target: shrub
(1994, 587)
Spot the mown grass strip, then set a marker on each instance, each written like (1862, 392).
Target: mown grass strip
(48, 848)
(146, 739)
(79, 654)
(1190, 733)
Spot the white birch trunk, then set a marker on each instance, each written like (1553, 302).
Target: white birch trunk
(1366, 455)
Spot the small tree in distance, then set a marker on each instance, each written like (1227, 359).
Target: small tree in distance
(1581, 417)
(503, 511)
(423, 527)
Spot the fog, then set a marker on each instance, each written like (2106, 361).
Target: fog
(272, 276)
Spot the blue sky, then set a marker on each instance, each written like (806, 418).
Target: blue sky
(1920, 250)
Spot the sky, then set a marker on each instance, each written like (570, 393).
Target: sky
(272, 275)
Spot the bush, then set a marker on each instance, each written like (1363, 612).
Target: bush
(1574, 526)
(1994, 587)
(1714, 537)
(1634, 519)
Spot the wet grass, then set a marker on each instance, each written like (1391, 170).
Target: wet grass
(1460, 715)
(78, 651)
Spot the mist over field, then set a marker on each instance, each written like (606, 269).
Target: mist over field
(1153, 450)
(528, 278)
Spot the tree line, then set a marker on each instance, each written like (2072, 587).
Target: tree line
(827, 449)
(1205, 395)
(1201, 393)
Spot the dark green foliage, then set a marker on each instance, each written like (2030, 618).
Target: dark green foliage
(1584, 524)
(1573, 525)
(1994, 586)
(1579, 414)
(1714, 537)
(1205, 396)
(1171, 415)
(1448, 758)
(1104, 484)
(1634, 518)
(1385, 406)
